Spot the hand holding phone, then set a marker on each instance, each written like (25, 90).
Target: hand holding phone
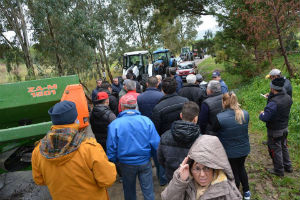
(265, 96)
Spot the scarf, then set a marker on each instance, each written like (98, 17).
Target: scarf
(61, 140)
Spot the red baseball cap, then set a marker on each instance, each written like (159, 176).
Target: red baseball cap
(102, 95)
(128, 100)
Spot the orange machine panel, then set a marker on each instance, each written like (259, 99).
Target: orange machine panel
(76, 94)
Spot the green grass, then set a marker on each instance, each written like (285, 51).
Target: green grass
(249, 97)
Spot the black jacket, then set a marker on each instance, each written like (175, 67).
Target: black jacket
(113, 101)
(175, 144)
(167, 111)
(100, 118)
(281, 118)
(193, 92)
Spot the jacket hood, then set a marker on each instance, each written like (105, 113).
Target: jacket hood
(209, 151)
(59, 145)
(185, 132)
(100, 109)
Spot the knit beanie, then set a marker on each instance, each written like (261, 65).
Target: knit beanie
(277, 83)
(63, 112)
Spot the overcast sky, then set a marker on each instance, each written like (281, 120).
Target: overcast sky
(209, 23)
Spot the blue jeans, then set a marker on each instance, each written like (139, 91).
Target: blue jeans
(160, 173)
(144, 173)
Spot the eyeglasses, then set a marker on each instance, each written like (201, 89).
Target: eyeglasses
(198, 169)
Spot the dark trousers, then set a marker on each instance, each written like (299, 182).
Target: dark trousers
(239, 172)
(144, 174)
(279, 152)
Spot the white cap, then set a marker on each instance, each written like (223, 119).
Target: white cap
(275, 72)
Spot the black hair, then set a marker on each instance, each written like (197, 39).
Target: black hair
(129, 76)
(105, 85)
(152, 81)
(172, 71)
(169, 85)
(189, 111)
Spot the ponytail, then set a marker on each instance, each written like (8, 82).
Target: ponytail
(230, 101)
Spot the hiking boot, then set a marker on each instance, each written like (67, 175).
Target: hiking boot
(247, 195)
(272, 171)
(288, 170)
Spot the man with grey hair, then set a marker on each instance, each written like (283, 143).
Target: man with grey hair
(210, 107)
(130, 87)
(132, 139)
(287, 87)
(192, 91)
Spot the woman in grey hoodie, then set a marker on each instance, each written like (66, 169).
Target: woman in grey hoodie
(204, 174)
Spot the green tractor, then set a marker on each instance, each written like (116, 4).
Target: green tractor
(24, 117)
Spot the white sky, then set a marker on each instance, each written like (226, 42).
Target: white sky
(209, 23)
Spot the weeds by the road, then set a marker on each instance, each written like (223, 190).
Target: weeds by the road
(262, 184)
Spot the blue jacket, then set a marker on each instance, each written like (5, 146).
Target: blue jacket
(95, 92)
(179, 82)
(234, 136)
(132, 138)
(147, 100)
(224, 88)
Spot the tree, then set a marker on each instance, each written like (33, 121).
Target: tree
(271, 19)
(12, 13)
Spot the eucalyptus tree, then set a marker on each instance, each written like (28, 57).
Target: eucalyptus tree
(13, 18)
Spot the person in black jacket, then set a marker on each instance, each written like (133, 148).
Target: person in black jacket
(276, 115)
(100, 118)
(165, 113)
(210, 107)
(113, 101)
(192, 91)
(169, 106)
(176, 142)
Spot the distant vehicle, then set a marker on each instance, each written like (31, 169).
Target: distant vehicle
(162, 59)
(197, 52)
(139, 62)
(186, 68)
(186, 54)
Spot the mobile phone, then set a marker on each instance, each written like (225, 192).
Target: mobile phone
(263, 95)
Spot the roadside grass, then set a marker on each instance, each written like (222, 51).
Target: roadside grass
(262, 184)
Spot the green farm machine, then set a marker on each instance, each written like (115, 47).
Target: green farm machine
(24, 117)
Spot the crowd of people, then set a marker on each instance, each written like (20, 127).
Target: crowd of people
(196, 134)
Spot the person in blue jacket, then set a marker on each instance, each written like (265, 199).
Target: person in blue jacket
(148, 99)
(232, 130)
(132, 139)
(216, 75)
(173, 74)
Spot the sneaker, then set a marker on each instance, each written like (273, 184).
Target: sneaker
(272, 171)
(247, 195)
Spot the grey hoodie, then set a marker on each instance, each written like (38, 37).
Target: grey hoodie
(208, 151)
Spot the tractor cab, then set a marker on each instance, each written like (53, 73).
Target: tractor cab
(162, 59)
(139, 62)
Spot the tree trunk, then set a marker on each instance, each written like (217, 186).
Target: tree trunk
(58, 58)
(97, 66)
(102, 48)
(282, 48)
(25, 45)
